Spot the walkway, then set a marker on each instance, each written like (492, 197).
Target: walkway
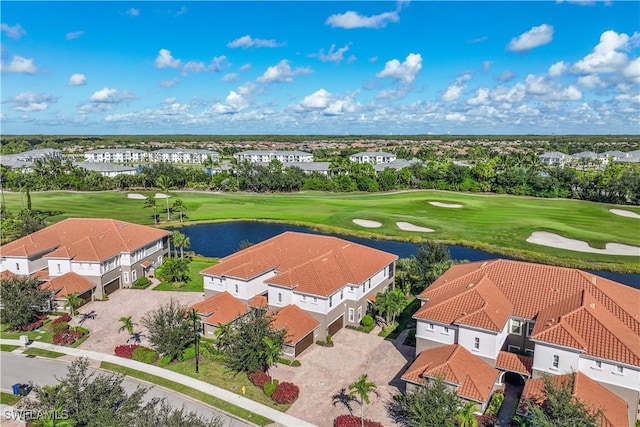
(511, 398)
(279, 417)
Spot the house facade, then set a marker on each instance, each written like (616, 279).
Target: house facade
(331, 279)
(132, 155)
(115, 155)
(533, 319)
(110, 253)
(372, 157)
(283, 156)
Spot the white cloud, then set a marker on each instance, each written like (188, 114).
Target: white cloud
(558, 69)
(247, 42)
(318, 100)
(229, 77)
(165, 60)
(351, 19)
(194, 67)
(481, 98)
(570, 93)
(373, 59)
(486, 65)
(169, 83)
(405, 72)
(14, 32)
(19, 64)
(133, 12)
(511, 95)
(77, 80)
(217, 64)
(605, 57)
(326, 103)
(537, 85)
(74, 35)
(332, 55)
(536, 36)
(109, 96)
(170, 100)
(393, 94)
(234, 103)
(244, 68)
(591, 81)
(454, 90)
(182, 11)
(31, 102)
(455, 117)
(506, 76)
(632, 71)
(281, 73)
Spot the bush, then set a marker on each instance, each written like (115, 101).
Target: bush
(354, 421)
(486, 420)
(141, 283)
(329, 339)
(66, 337)
(164, 361)
(63, 318)
(59, 327)
(495, 403)
(285, 393)
(259, 378)
(188, 353)
(284, 361)
(31, 326)
(270, 387)
(296, 362)
(144, 354)
(84, 331)
(125, 351)
(367, 321)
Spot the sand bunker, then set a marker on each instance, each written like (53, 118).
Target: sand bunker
(162, 196)
(445, 205)
(624, 213)
(367, 223)
(136, 196)
(407, 226)
(556, 241)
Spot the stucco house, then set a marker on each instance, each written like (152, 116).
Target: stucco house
(529, 319)
(266, 156)
(329, 278)
(300, 326)
(109, 253)
(373, 157)
(219, 309)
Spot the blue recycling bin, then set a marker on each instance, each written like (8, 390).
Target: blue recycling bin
(16, 388)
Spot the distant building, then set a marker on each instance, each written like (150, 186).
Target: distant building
(554, 158)
(27, 159)
(182, 155)
(283, 156)
(307, 167)
(115, 155)
(374, 158)
(396, 164)
(108, 169)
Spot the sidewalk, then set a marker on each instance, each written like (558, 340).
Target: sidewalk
(279, 417)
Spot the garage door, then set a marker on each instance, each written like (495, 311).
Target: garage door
(86, 296)
(304, 343)
(335, 326)
(112, 287)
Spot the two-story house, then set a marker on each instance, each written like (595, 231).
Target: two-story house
(109, 253)
(531, 319)
(331, 279)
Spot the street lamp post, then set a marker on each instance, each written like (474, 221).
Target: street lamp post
(196, 335)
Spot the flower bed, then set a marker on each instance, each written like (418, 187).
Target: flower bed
(67, 337)
(31, 326)
(354, 421)
(259, 378)
(286, 393)
(125, 351)
(63, 318)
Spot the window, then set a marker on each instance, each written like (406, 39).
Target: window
(59, 269)
(315, 300)
(331, 301)
(17, 266)
(369, 283)
(430, 327)
(597, 364)
(351, 315)
(556, 362)
(513, 349)
(236, 288)
(619, 369)
(341, 294)
(530, 326)
(126, 277)
(476, 343)
(134, 275)
(359, 314)
(279, 297)
(516, 327)
(303, 297)
(529, 352)
(350, 288)
(445, 330)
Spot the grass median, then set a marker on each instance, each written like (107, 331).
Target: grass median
(43, 353)
(191, 392)
(495, 223)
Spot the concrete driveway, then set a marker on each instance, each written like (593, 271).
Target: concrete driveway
(326, 370)
(104, 327)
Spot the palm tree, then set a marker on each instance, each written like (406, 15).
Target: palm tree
(178, 205)
(180, 241)
(150, 202)
(186, 244)
(270, 352)
(164, 182)
(362, 388)
(73, 301)
(466, 416)
(127, 325)
(223, 332)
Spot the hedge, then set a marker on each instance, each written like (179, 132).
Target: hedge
(144, 354)
(125, 351)
(285, 393)
(270, 387)
(259, 378)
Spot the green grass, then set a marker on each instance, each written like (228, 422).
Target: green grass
(495, 223)
(43, 335)
(43, 353)
(188, 391)
(8, 347)
(196, 281)
(9, 399)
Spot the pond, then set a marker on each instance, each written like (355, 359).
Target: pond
(223, 238)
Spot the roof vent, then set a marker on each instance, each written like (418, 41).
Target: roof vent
(470, 285)
(483, 264)
(594, 279)
(593, 305)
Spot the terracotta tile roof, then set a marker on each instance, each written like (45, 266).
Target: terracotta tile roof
(258, 301)
(84, 239)
(146, 264)
(5, 275)
(67, 284)
(571, 307)
(42, 275)
(313, 264)
(221, 308)
(298, 322)
(589, 392)
(514, 363)
(474, 378)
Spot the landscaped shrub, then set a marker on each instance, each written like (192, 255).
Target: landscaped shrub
(66, 337)
(270, 387)
(495, 403)
(367, 321)
(329, 340)
(259, 378)
(84, 331)
(296, 362)
(284, 361)
(125, 351)
(63, 318)
(286, 393)
(59, 327)
(31, 326)
(144, 354)
(188, 353)
(354, 421)
(164, 361)
(486, 420)
(141, 283)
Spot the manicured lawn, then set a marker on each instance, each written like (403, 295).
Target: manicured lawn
(196, 394)
(495, 223)
(8, 398)
(43, 353)
(42, 335)
(8, 347)
(196, 281)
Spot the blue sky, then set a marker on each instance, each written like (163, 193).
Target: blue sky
(199, 67)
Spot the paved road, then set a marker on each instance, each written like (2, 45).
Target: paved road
(17, 368)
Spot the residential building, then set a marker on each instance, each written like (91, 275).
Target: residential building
(331, 279)
(182, 155)
(283, 156)
(372, 157)
(306, 167)
(555, 320)
(109, 253)
(108, 169)
(116, 155)
(396, 164)
(27, 159)
(301, 329)
(554, 158)
(219, 309)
